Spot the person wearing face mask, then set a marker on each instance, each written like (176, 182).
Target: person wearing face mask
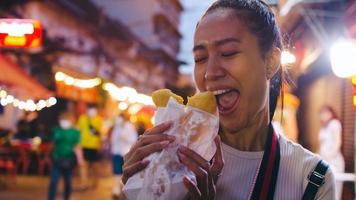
(90, 126)
(123, 136)
(65, 155)
(330, 138)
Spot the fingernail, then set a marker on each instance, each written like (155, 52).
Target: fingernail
(171, 137)
(167, 123)
(164, 143)
(182, 148)
(145, 162)
(181, 155)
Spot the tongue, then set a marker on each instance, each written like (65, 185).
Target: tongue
(228, 100)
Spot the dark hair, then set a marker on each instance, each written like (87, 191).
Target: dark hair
(260, 20)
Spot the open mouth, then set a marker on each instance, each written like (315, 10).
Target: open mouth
(227, 100)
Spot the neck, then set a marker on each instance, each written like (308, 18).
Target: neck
(251, 138)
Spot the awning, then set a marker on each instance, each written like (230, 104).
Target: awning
(18, 80)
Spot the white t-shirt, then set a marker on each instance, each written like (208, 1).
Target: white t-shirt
(330, 145)
(124, 135)
(295, 165)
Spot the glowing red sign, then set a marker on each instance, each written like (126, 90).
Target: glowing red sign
(20, 33)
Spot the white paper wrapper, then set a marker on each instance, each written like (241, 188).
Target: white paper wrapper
(163, 177)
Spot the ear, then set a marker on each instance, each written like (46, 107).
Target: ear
(273, 62)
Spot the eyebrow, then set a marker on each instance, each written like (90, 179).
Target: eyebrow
(217, 43)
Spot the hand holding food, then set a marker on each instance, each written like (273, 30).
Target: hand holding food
(194, 126)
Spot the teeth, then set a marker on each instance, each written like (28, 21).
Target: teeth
(218, 92)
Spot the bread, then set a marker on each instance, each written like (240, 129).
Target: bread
(160, 97)
(204, 101)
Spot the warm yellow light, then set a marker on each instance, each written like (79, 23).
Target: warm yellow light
(16, 29)
(3, 94)
(3, 102)
(134, 109)
(60, 76)
(15, 41)
(87, 83)
(287, 58)
(123, 105)
(343, 59)
(69, 80)
(16, 103)
(52, 101)
(133, 119)
(30, 105)
(354, 80)
(10, 98)
(41, 103)
(127, 94)
(354, 100)
(36, 141)
(81, 83)
(22, 105)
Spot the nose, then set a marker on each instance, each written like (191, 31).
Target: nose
(214, 70)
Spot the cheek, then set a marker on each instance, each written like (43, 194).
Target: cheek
(199, 74)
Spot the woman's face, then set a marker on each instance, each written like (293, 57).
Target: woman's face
(228, 62)
(325, 115)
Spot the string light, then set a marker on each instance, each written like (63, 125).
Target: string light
(123, 105)
(81, 83)
(28, 105)
(127, 94)
(134, 109)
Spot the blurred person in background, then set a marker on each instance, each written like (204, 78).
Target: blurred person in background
(27, 126)
(65, 155)
(123, 136)
(90, 126)
(330, 138)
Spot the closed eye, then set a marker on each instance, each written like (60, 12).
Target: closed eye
(229, 54)
(200, 60)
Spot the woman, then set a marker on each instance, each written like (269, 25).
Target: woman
(330, 143)
(123, 136)
(65, 155)
(237, 49)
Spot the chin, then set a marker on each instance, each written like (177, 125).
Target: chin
(231, 125)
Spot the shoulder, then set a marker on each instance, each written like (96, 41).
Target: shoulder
(305, 161)
(335, 123)
(75, 131)
(82, 118)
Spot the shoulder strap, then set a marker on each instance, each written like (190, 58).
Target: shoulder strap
(316, 179)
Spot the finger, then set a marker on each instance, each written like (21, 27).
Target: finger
(192, 188)
(212, 188)
(200, 173)
(149, 139)
(195, 156)
(159, 128)
(129, 171)
(143, 152)
(218, 160)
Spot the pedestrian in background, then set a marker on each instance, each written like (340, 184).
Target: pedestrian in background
(330, 138)
(65, 155)
(123, 136)
(90, 126)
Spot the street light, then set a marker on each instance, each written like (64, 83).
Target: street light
(287, 58)
(343, 58)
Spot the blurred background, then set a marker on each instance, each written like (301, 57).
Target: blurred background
(73, 55)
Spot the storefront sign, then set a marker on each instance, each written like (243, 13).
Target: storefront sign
(20, 33)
